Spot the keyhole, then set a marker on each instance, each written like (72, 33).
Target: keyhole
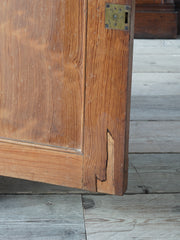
(126, 17)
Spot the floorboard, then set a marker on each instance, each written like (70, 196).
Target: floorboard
(140, 217)
(156, 84)
(41, 217)
(157, 47)
(156, 63)
(154, 173)
(155, 108)
(155, 137)
(156, 43)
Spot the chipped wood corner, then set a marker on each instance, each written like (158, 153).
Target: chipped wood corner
(113, 169)
(108, 185)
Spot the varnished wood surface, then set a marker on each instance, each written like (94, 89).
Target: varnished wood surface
(149, 1)
(42, 71)
(41, 165)
(155, 25)
(155, 19)
(161, 5)
(107, 69)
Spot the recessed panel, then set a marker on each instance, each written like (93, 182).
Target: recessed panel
(41, 71)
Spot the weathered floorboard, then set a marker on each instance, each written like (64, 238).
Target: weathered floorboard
(154, 173)
(156, 84)
(41, 217)
(40, 231)
(156, 63)
(164, 108)
(132, 217)
(157, 47)
(155, 137)
(156, 43)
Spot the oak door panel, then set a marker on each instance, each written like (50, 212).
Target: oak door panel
(42, 71)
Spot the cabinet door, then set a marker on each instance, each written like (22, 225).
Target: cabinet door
(64, 93)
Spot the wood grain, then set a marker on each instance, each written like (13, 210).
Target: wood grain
(107, 67)
(156, 64)
(156, 25)
(42, 71)
(41, 165)
(42, 217)
(155, 96)
(154, 173)
(155, 84)
(157, 47)
(65, 84)
(154, 108)
(156, 43)
(146, 172)
(139, 217)
(155, 137)
(155, 19)
(108, 185)
(149, 1)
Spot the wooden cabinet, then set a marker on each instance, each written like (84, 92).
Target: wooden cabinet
(155, 19)
(177, 6)
(65, 93)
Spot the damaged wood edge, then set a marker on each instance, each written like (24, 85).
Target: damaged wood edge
(128, 100)
(108, 186)
(104, 153)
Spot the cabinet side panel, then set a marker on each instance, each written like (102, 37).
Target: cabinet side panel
(107, 76)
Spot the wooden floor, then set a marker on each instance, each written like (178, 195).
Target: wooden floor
(151, 207)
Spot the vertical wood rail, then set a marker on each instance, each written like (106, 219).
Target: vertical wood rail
(107, 96)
